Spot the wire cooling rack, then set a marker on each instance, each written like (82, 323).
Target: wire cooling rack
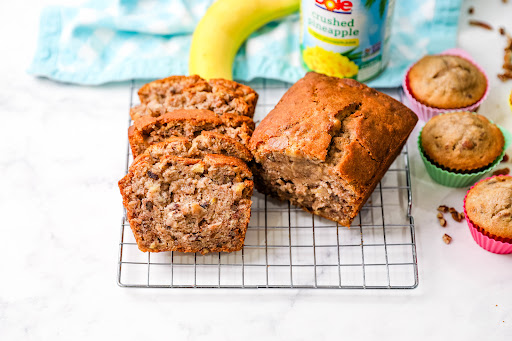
(286, 247)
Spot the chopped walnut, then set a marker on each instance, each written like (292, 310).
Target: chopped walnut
(439, 215)
(452, 210)
(457, 216)
(447, 239)
(505, 158)
(442, 222)
(502, 171)
(443, 208)
(507, 61)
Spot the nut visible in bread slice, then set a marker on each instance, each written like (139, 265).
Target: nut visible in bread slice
(188, 205)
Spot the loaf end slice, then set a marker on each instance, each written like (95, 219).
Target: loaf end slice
(188, 205)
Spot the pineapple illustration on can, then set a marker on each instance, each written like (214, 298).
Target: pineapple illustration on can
(347, 39)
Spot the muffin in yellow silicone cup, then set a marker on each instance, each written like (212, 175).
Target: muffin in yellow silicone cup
(460, 147)
(488, 212)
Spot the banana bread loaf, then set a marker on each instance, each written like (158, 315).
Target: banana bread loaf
(192, 92)
(188, 205)
(327, 144)
(187, 123)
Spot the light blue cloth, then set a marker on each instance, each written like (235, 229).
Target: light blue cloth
(115, 40)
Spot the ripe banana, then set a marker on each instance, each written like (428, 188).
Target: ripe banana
(223, 29)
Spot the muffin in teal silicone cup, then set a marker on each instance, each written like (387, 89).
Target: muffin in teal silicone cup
(458, 148)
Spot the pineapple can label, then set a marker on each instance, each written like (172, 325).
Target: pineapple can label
(347, 39)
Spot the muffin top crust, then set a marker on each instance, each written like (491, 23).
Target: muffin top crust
(462, 141)
(446, 82)
(489, 206)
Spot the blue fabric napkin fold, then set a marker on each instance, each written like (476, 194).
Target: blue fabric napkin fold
(106, 41)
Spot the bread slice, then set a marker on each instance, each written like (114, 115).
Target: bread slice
(192, 92)
(188, 205)
(328, 143)
(187, 123)
(206, 143)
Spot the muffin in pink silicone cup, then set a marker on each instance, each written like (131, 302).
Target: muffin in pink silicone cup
(488, 211)
(450, 81)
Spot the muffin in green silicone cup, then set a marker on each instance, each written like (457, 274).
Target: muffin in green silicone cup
(458, 148)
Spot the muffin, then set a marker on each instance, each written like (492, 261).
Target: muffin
(461, 142)
(488, 210)
(446, 82)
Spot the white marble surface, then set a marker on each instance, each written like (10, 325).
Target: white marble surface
(62, 152)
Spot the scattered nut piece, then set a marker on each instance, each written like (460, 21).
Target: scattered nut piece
(439, 215)
(505, 76)
(442, 222)
(452, 210)
(502, 31)
(507, 61)
(462, 215)
(503, 171)
(447, 239)
(471, 10)
(457, 217)
(443, 208)
(505, 158)
(481, 24)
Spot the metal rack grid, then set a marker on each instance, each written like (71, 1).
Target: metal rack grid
(286, 247)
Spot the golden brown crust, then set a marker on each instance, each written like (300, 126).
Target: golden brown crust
(462, 141)
(489, 206)
(446, 82)
(309, 114)
(351, 130)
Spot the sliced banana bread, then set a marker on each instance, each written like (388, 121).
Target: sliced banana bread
(328, 143)
(187, 123)
(188, 205)
(192, 92)
(206, 143)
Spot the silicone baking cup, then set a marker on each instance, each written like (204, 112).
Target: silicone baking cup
(424, 112)
(485, 242)
(454, 179)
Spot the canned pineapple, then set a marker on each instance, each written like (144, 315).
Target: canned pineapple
(348, 39)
